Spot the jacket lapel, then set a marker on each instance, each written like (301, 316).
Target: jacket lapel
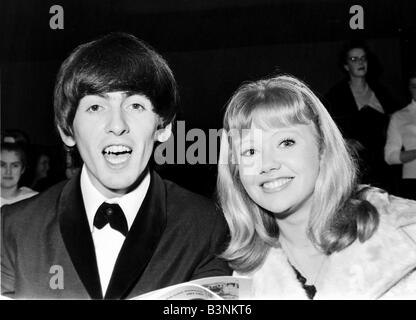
(77, 237)
(140, 242)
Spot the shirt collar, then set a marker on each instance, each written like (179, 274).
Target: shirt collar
(130, 202)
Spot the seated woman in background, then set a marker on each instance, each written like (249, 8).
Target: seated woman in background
(300, 224)
(13, 164)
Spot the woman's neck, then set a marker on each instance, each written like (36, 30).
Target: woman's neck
(300, 250)
(9, 193)
(293, 229)
(358, 83)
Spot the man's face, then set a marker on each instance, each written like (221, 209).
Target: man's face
(114, 133)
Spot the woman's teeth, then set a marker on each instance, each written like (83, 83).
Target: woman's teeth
(276, 183)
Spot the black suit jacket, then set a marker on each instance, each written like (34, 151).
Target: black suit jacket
(175, 237)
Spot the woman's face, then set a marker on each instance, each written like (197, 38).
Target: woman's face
(11, 169)
(356, 64)
(43, 166)
(279, 167)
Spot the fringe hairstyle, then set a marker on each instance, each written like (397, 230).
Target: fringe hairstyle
(340, 212)
(115, 62)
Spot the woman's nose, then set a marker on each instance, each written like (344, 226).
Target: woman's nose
(270, 161)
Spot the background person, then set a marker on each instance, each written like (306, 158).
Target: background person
(300, 224)
(41, 178)
(13, 165)
(361, 107)
(400, 146)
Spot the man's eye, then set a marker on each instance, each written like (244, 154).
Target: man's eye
(94, 108)
(249, 152)
(287, 143)
(136, 106)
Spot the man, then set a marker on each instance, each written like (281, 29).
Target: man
(116, 230)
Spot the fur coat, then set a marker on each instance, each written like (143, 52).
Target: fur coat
(383, 267)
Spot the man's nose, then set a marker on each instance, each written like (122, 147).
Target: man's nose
(117, 123)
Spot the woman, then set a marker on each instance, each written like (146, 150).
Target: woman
(41, 178)
(300, 224)
(13, 164)
(360, 107)
(400, 146)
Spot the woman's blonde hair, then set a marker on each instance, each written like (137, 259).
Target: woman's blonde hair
(340, 213)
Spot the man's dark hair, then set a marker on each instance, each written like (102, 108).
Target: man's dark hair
(115, 62)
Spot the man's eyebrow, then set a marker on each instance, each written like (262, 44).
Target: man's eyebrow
(126, 93)
(132, 93)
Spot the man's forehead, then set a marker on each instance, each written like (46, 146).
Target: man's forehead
(116, 94)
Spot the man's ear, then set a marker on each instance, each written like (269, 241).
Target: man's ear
(163, 134)
(68, 140)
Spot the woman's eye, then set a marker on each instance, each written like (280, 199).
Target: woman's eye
(94, 108)
(249, 152)
(287, 143)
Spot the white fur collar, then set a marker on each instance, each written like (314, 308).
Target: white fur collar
(361, 271)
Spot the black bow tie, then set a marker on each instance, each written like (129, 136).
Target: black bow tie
(112, 214)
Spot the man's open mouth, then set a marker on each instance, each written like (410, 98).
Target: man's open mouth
(117, 154)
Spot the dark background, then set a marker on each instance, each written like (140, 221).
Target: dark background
(212, 46)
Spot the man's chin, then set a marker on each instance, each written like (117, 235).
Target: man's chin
(125, 183)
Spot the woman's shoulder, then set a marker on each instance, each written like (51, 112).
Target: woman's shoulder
(26, 191)
(395, 210)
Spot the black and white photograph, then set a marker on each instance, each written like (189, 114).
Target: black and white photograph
(263, 147)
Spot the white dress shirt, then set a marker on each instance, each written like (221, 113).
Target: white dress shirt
(401, 133)
(107, 241)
